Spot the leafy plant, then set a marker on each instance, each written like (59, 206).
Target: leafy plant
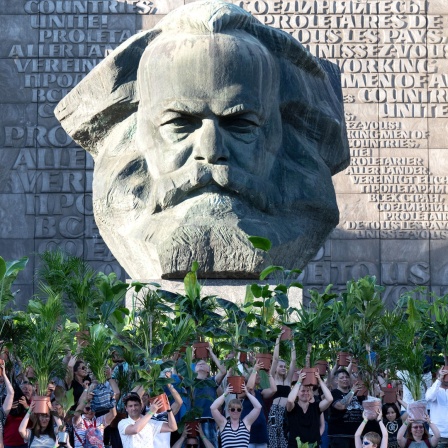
(47, 338)
(151, 377)
(98, 349)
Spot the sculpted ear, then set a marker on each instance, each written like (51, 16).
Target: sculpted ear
(106, 96)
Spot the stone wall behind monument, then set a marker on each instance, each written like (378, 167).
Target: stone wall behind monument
(393, 198)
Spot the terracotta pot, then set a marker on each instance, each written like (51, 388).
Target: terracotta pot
(201, 351)
(266, 359)
(236, 382)
(243, 357)
(287, 335)
(41, 406)
(192, 429)
(321, 366)
(390, 394)
(165, 402)
(417, 410)
(354, 365)
(371, 409)
(82, 338)
(310, 379)
(343, 361)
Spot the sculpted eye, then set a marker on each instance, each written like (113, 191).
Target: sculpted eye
(240, 123)
(181, 123)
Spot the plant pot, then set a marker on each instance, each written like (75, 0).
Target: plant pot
(165, 402)
(310, 379)
(41, 404)
(193, 429)
(201, 351)
(371, 408)
(287, 335)
(354, 365)
(236, 382)
(343, 359)
(243, 357)
(417, 410)
(321, 366)
(390, 394)
(265, 359)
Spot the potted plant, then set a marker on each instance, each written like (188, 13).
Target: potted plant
(192, 390)
(409, 348)
(9, 331)
(45, 343)
(202, 310)
(74, 279)
(96, 354)
(153, 380)
(313, 322)
(439, 313)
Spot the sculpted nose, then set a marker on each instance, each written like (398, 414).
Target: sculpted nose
(210, 147)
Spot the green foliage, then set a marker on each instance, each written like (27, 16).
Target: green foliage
(9, 270)
(46, 339)
(152, 377)
(98, 350)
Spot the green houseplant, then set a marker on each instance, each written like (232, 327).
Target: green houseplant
(9, 329)
(45, 343)
(409, 348)
(96, 353)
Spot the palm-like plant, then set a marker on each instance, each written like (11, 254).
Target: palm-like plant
(46, 340)
(98, 349)
(74, 279)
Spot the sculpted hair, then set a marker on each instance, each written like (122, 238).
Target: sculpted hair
(110, 94)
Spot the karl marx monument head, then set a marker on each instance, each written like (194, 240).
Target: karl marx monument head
(206, 129)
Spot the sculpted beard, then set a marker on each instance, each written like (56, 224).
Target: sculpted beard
(171, 189)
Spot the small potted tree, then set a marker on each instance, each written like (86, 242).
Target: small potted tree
(45, 343)
(409, 348)
(96, 353)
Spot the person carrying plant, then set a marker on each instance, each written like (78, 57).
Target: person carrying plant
(371, 439)
(43, 431)
(139, 430)
(437, 397)
(345, 412)
(204, 396)
(86, 425)
(235, 431)
(21, 400)
(283, 379)
(305, 419)
(7, 402)
(416, 434)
